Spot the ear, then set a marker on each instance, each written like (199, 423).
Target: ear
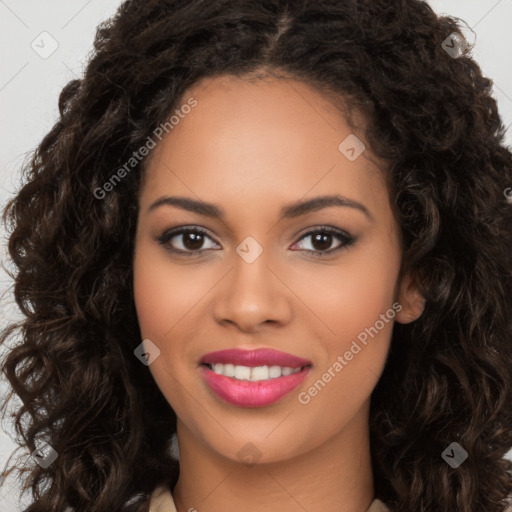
(409, 296)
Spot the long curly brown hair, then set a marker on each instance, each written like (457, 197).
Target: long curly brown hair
(430, 114)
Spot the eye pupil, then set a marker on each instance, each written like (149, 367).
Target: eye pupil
(321, 237)
(196, 238)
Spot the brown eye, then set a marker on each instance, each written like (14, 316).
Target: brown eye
(192, 241)
(188, 240)
(322, 239)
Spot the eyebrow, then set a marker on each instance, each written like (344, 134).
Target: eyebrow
(288, 212)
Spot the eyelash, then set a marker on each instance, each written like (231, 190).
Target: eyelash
(346, 239)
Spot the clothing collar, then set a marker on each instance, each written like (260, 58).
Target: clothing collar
(161, 501)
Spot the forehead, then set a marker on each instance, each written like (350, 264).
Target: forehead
(251, 137)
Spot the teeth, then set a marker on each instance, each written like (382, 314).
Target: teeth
(274, 372)
(261, 373)
(255, 373)
(242, 373)
(228, 370)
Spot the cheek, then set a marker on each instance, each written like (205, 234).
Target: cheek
(159, 309)
(350, 302)
(167, 300)
(150, 296)
(351, 296)
(163, 293)
(159, 304)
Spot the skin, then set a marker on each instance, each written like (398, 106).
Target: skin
(252, 147)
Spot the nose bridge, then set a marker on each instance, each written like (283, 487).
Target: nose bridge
(252, 294)
(250, 270)
(251, 277)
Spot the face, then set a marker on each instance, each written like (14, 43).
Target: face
(319, 282)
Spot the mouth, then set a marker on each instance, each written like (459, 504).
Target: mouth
(253, 378)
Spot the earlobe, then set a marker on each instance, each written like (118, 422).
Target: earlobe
(411, 300)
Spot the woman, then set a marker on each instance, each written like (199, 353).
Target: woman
(192, 342)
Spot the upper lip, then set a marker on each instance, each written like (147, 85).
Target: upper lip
(256, 357)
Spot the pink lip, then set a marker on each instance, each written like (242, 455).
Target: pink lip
(258, 357)
(245, 393)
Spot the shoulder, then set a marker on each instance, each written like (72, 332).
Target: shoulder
(378, 506)
(161, 500)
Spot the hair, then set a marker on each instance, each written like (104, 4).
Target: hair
(429, 114)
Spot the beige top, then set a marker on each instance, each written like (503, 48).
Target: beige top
(161, 501)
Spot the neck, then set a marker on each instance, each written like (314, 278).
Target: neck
(333, 477)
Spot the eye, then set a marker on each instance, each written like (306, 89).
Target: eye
(191, 240)
(322, 239)
(190, 244)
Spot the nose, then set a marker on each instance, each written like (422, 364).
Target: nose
(252, 295)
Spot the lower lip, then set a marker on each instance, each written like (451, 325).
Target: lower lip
(246, 393)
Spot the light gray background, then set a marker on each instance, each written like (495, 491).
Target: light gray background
(30, 85)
